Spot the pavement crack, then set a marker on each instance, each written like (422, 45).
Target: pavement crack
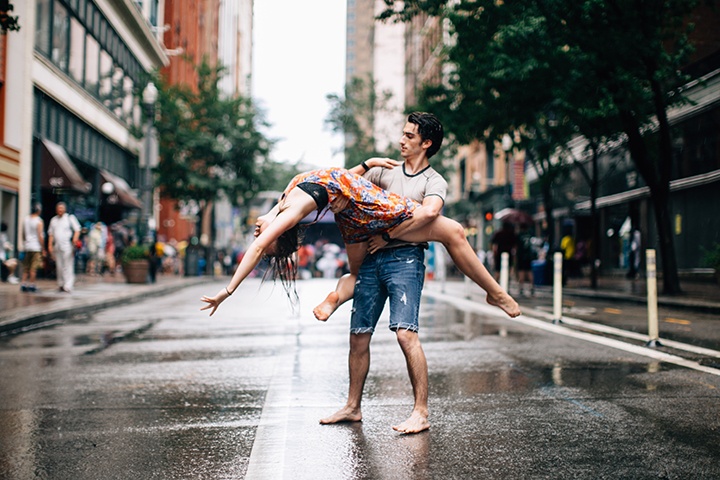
(110, 338)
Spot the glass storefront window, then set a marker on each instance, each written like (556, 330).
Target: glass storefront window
(61, 27)
(77, 50)
(92, 60)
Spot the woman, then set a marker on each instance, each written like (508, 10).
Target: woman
(370, 211)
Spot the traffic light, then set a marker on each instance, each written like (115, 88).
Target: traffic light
(489, 215)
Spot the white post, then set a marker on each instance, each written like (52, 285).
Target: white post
(653, 330)
(504, 270)
(557, 287)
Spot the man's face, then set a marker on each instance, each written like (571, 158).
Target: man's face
(60, 210)
(411, 144)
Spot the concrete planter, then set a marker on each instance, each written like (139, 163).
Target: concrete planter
(136, 271)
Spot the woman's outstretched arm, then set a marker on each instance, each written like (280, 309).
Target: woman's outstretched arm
(268, 229)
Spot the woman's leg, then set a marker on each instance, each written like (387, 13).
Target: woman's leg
(345, 288)
(451, 234)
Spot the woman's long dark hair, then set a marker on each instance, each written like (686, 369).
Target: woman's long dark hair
(283, 265)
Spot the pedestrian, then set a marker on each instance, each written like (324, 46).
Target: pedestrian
(504, 241)
(63, 235)
(525, 253)
(34, 246)
(372, 212)
(8, 262)
(95, 249)
(635, 254)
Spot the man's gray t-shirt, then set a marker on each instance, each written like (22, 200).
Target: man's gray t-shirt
(416, 186)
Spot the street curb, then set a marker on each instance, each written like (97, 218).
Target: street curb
(697, 305)
(55, 315)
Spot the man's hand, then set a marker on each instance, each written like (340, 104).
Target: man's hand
(375, 243)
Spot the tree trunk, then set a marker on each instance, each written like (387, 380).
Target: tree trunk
(659, 194)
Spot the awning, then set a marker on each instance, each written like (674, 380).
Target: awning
(122, 194)
(58, 171)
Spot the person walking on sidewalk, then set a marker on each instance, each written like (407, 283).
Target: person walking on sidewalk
(63, 234)
(34, 246)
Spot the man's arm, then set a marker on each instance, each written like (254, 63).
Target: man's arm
(424, 214)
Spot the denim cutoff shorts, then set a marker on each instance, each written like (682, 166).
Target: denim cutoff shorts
(394, 273)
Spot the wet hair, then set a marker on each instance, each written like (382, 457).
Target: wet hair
(283, 265)
(429, 128)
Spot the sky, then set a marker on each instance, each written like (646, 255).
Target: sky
(298, 59)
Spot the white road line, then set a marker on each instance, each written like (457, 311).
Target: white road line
(558, 328)
(267, 458)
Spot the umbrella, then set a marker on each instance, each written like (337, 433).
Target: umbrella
(513, 215)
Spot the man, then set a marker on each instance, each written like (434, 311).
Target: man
(34, 246)
(63, 234)
(395, 270)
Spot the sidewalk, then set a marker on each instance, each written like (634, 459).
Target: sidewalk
(20, 310)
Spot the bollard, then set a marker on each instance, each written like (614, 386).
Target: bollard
(504, 270)
(653, 330)
(557, 287)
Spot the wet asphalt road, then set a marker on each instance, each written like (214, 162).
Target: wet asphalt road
(156, 390)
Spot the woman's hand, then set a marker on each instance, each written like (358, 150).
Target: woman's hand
(214, 302)
(382, 162)
(375, 243)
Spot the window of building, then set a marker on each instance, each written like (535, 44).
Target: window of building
(42, 25)
(92, 64)
(77, 51)
(106, 71)
(60, 36)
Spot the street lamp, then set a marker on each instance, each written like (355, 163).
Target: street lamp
(148, 161)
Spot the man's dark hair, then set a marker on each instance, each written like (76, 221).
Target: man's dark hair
(429, 128)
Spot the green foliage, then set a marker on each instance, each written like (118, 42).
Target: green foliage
(135, 252)
(711, 257)
(354, 117)
(8, 23)
(210, 145)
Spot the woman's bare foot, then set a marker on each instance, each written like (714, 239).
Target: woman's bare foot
(328, 306)
(415, 424)
(505, 302)
(345, 414)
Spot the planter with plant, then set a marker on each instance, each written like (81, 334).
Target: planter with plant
(135, 264)
(711, 258)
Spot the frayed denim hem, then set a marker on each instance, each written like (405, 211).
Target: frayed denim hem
(404, 326)
(357, 331)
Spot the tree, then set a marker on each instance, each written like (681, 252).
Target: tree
(605, 66)
(8, 23)
(354, 116)
(209, 145)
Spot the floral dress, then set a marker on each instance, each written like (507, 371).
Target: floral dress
(372, 210)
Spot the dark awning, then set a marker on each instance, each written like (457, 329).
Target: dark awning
(58, 171)
(122, 193)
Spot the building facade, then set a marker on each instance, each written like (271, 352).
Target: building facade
(74, 76)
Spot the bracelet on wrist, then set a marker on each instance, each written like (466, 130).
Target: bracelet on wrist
(365, 166)
(228, 292)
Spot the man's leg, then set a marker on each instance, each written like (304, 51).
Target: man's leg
(403, 272)
(368, 303)
(68, 269)
(418, 372)
(358, 365)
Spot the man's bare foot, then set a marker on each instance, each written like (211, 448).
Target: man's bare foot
(328, 306)
(415, 424)
(505, 302)
(345, 414)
